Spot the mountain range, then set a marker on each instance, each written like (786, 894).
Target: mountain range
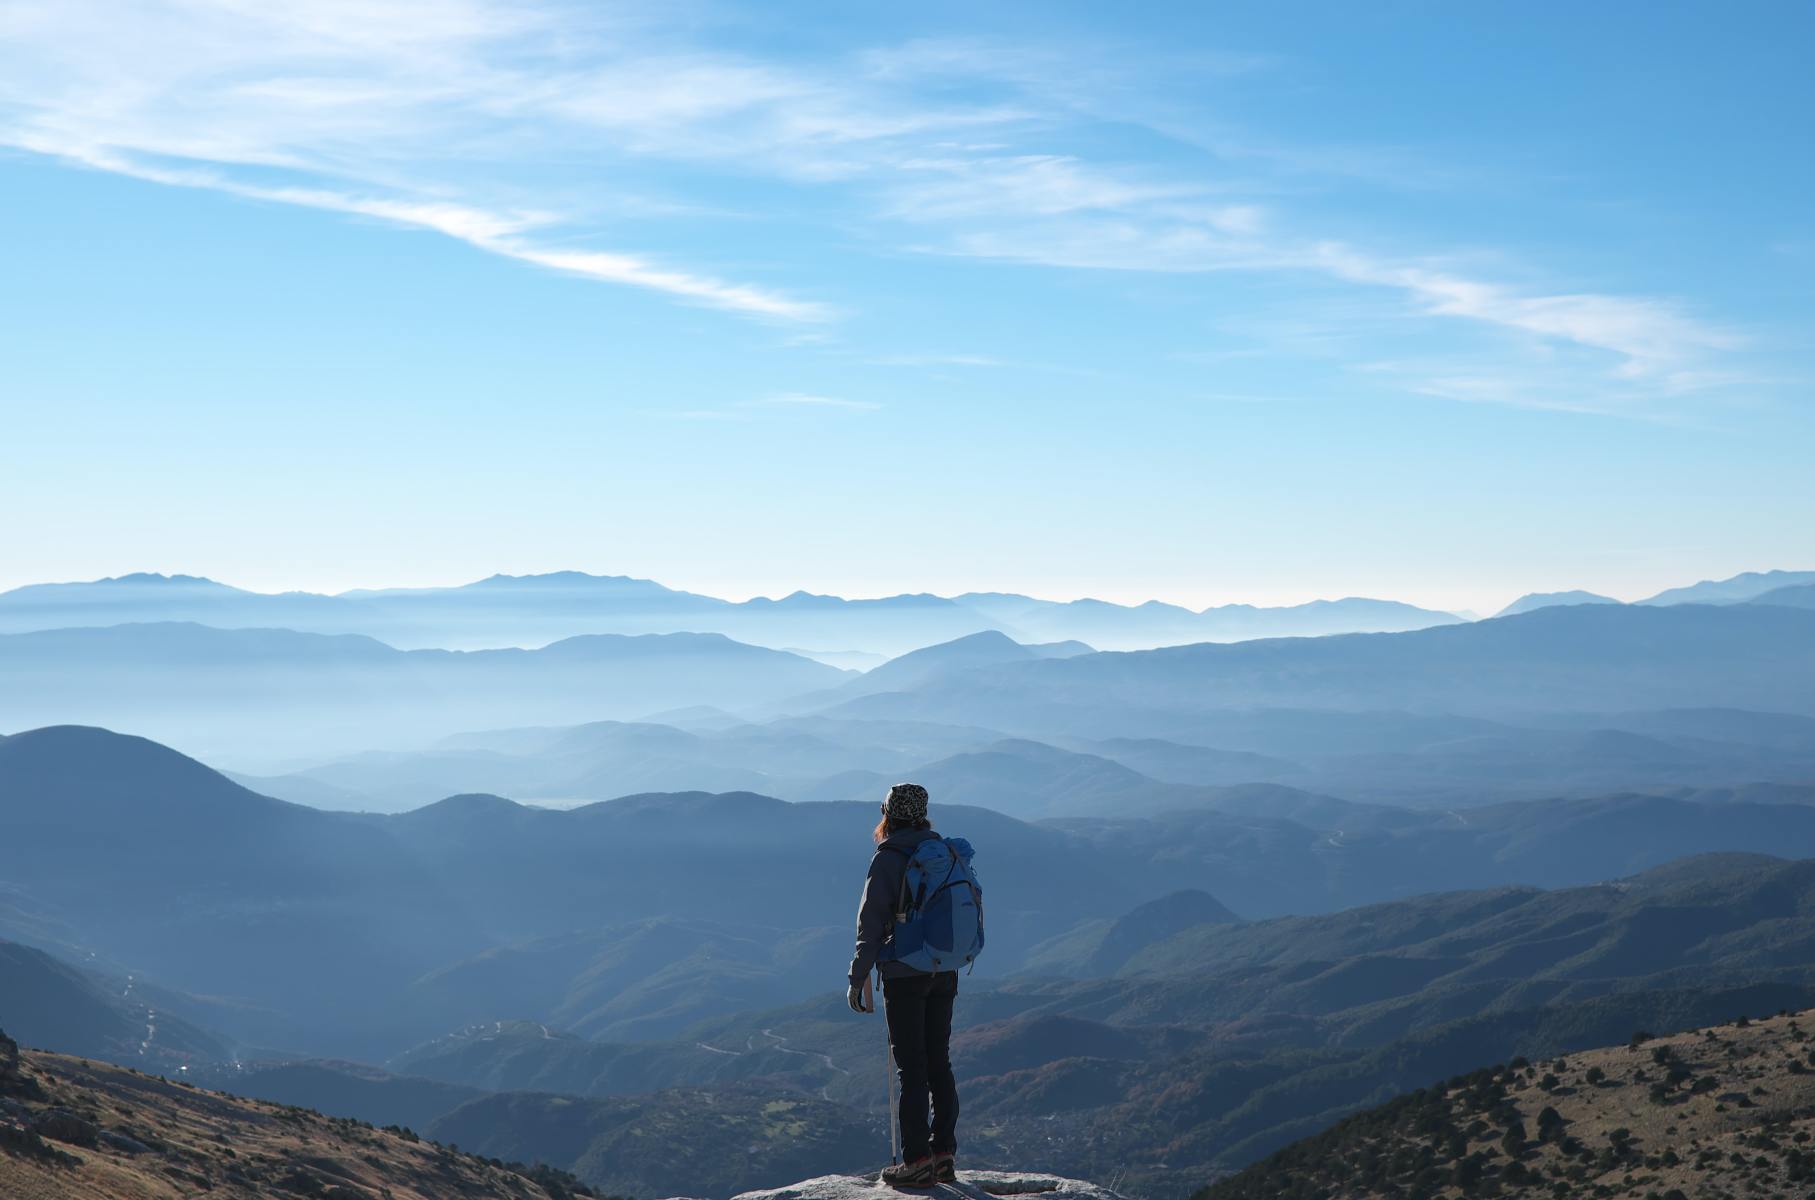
(1504, 708)
(532, 610)
(476, 908)
(1572, 659)
(1752, 585)
(1537, 600)
(1383, 757)
(168, 869)
(1219, 1042)
(537, 982)
(268, 701)
(1237, 890)
(289, 692)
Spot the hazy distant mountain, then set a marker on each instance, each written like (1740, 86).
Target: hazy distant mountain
(1390, 757)
(975, 650)
(316, 793)
(1577, 658)
(146, 597)
(1536, 600)
(1732, 726)
(1800, 595)
(1736, 590)
(599, 761)
(276, 692)
(1176, 762)
(1026, 779)
(533, 610)
(1596, 756)
(603, 760)
(846, 660)
(1122, 627)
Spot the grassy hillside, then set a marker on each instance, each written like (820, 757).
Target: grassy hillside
(72, 1129)
(1724, 1111)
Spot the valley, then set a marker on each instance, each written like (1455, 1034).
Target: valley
(1236, 892)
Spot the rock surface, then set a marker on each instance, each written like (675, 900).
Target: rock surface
(61, 1125)
(977, 1185)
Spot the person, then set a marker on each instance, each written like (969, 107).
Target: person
(918, 1003)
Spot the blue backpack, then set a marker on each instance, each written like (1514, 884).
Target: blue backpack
(939, 914)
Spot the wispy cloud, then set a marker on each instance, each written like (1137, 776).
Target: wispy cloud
(354, 103)
(1649, 339)
(493, 121)
(1647, 342)
(502, 233)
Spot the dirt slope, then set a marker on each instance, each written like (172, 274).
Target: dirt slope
(74, 1129)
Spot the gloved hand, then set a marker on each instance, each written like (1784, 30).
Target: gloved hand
(856, 998)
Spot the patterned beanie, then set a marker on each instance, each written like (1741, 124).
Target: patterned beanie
(907, 803)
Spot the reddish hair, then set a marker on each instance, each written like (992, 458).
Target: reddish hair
(889, 825)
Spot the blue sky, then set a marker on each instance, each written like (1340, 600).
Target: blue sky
(1202, 302)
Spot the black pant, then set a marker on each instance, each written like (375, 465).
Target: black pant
(920, 1031)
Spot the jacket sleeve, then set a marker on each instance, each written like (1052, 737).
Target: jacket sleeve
(876, 913)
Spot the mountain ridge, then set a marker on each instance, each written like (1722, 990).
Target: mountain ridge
(535, 609)
(1536, 600)
(1570, 658)
(213, 688)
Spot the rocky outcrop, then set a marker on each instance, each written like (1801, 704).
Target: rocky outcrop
(15, 1083)
(976, 1185)
(61, 1125)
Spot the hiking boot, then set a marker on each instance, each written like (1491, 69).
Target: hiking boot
(945, 1167)
(917, 1174)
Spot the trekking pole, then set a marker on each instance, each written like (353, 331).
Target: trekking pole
(888, 1083)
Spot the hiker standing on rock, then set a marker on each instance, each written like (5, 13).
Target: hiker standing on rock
(920, 921)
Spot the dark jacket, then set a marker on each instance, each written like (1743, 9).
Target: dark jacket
(881, 891)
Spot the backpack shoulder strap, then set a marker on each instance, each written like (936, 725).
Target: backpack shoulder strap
(901, 899)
